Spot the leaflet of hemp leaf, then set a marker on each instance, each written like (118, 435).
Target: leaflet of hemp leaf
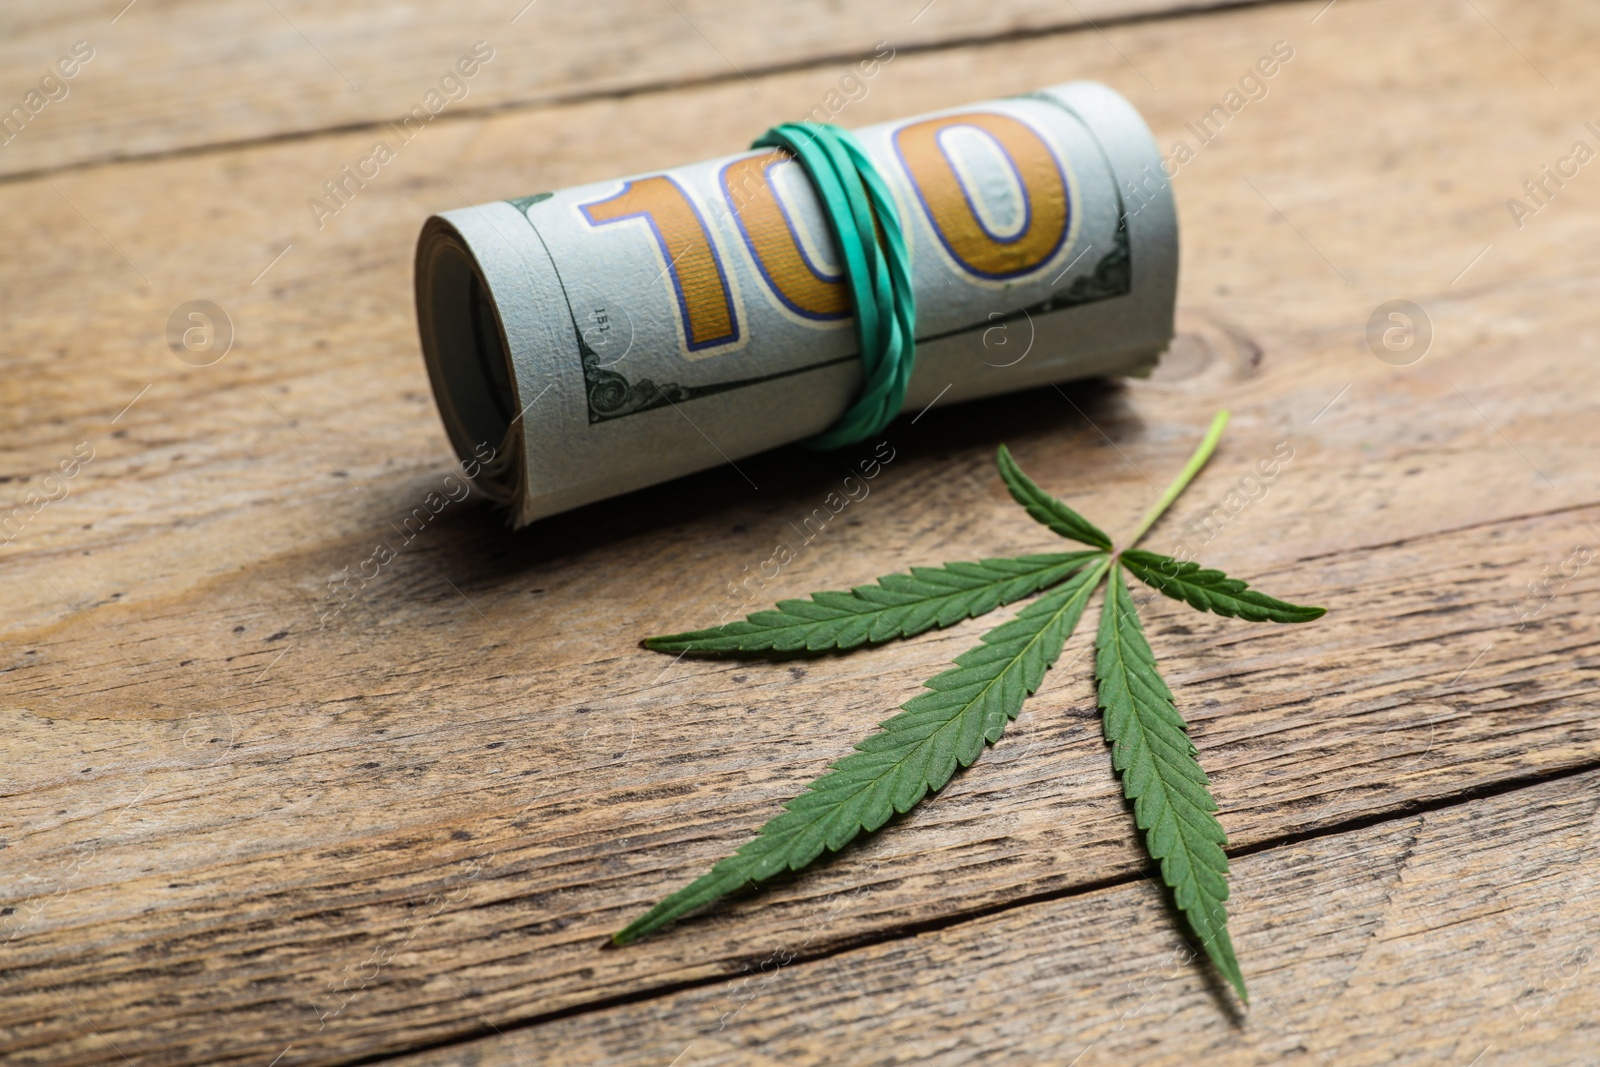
(967, 707)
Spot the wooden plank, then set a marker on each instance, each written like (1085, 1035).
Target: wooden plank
(277, 885)
(198, 829)
(1461, 936)
(168, 78)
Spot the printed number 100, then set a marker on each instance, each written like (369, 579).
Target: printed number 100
(932, 161)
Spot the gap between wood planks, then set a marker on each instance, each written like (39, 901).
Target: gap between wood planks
(957, 918)
(584, 96)
(1443, 532)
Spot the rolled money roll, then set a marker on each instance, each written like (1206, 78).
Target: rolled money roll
(600, 339)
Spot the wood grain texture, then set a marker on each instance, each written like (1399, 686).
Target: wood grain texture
(1465, 935)
(216, 810)
(172, 77)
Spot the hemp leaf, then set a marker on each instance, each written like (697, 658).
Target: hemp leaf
(967, 707)
(1046, 508)
(915, 754)
(897, 605)
(1150, 748)
(1210, 590)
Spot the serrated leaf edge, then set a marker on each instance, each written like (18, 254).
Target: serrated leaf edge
(1046, 509)
(731, 873)
(829, 621)
(1119, 633)
(1208, 589)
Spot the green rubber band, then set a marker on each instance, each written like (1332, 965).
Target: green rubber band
(866, 224)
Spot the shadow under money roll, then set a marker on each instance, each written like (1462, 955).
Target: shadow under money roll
(595, 340)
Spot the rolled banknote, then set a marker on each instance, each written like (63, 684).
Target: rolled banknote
(603, 338)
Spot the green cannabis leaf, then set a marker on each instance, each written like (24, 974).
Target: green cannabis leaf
(915, 754)
(897, 605)
(1161, 774)
(1210, 590)
(917, 751)
(1046, 508)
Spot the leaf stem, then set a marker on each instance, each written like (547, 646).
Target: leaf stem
(1185, 476)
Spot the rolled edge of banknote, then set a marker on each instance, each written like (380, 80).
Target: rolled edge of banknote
(595, 340)
(467, 354)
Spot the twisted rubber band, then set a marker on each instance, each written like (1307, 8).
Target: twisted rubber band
(866, 225)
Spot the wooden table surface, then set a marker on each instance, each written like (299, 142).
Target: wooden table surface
(231, 836)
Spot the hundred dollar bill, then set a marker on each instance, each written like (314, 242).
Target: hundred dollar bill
(615, 335)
